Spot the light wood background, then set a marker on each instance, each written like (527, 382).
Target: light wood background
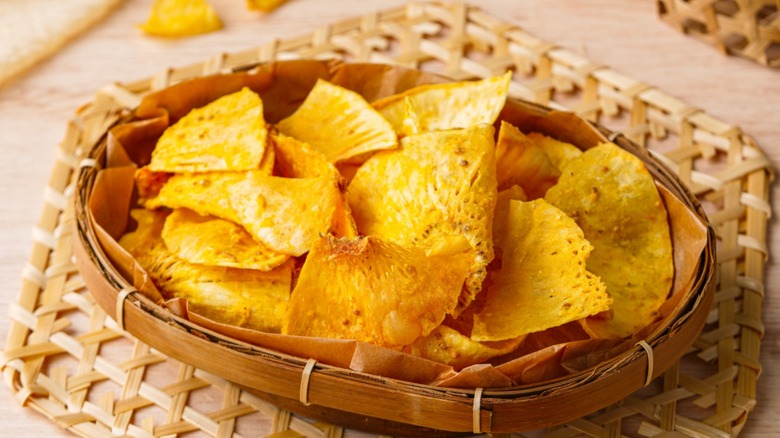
(626, 35)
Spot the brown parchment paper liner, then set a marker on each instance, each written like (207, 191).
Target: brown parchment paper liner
(545, 356)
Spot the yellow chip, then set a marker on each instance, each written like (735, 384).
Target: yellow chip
(373, 291)
(284, 214)
(500, 225)
(339, 123)
(268, 162)
(173, 18)
(149, 183)
(448, 346)
(542, 282)
(446, 106)
(264, 5)
(244, 298)
(207, 240)
(437, 185)
(201, 193)
(227, 134)
(559, 152)
(520, 162)
(296, 159)
(613, 198)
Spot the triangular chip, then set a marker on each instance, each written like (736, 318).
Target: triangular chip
(500, 225)
(201, 193)
(264, 5)
(284, 214)
(542, 282)
(613, 198)
(559, 152)
(296, 159)
(520, 162)
(437, 185)
(446, 106)
(448, 346)
(339, 123)
(211, 241)
(268, 162)
(173, 18)
(227, 134)
(245, 298)
(373, 291)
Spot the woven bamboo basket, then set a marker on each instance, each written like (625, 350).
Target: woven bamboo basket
(67, 360)
(358, 399)
(747, 28)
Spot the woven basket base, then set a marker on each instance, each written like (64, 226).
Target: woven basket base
(65, 358)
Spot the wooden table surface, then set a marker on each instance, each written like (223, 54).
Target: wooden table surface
(626, 35)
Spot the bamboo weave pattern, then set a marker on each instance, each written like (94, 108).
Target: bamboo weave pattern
(748, 28)
(66, 359)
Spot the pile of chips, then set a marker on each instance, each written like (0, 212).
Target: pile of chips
(419, 222)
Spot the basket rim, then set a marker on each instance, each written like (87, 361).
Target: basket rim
(704, 278)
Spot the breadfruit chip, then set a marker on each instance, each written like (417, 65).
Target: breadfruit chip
(339, 123)
(211, 241)
(374, 291)
(174, 18)
(613, 198)
(520, 162)
(244, 298)
(559, 152)
(446, 106)
(437, 185)
(542, 282)
(226, 134)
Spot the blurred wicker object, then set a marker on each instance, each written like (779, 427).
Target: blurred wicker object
(747, 28)
(66, 359)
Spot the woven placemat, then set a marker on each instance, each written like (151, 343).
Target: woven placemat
(65, 358)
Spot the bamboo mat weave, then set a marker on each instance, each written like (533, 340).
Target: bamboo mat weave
(66, 359)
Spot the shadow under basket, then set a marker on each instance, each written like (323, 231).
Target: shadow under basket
(382, 404)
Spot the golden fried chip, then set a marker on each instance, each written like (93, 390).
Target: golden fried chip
(446, 106)
(201, 193)
(245, 298)
(500, 225)
(284, 214)
(227, 134)
(339, 123)
(296, 159)
(613, 198)
(264, 5)
(173, 18)
(437, 185)
(542, 282)
(268, 162)
(519, 161)
(448, 346)
(559, 152)
(211, 241)
(149, 183)
(373, 291)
